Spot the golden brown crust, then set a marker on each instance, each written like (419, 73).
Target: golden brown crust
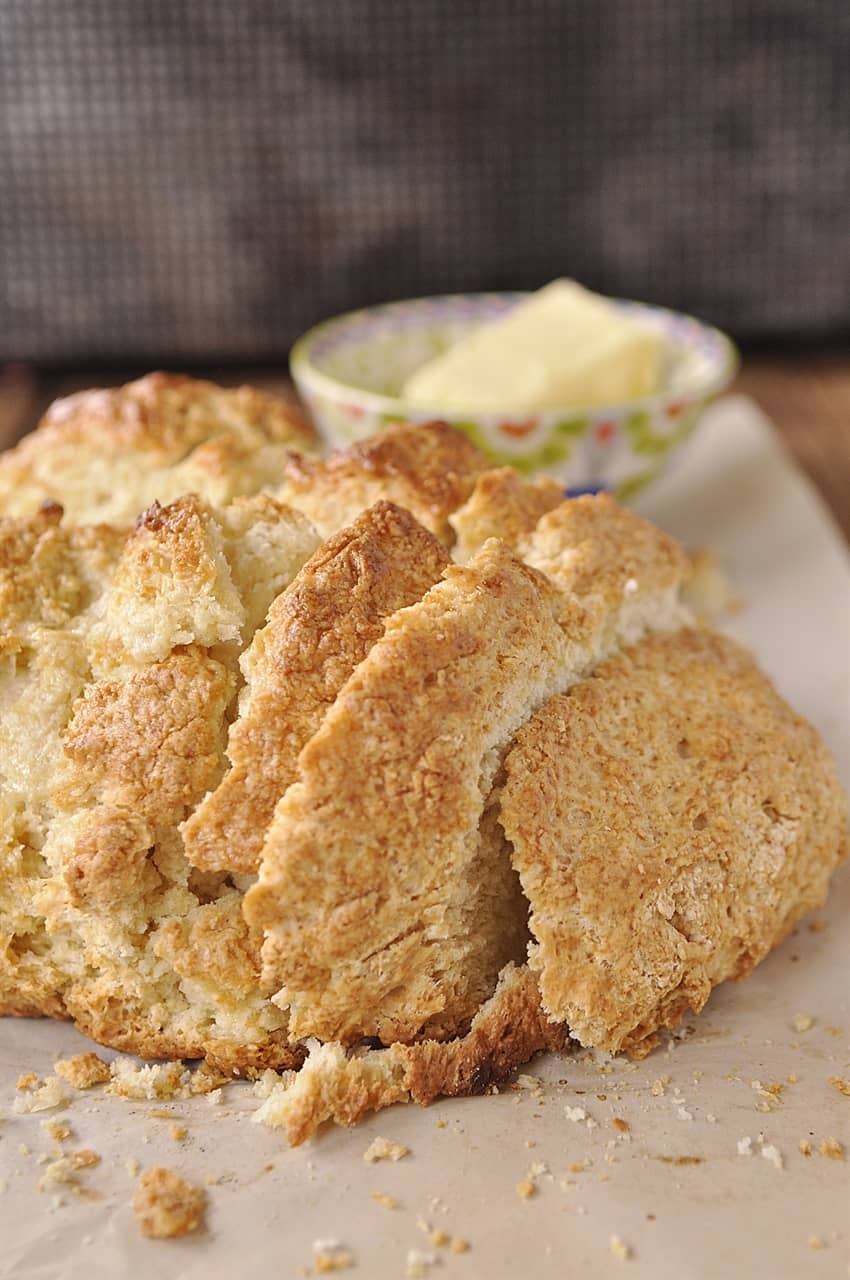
(594, 548)
(154, 742)
(430, 470)
(107, 454)
(407, 945)
(671, 819)
(502, 505)
(318, 630)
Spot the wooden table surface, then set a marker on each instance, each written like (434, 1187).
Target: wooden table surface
(806, 395)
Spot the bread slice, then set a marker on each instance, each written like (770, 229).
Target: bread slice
(317, 632)
(386, 891)
(108, 454)
(671, 819)
(430, 470)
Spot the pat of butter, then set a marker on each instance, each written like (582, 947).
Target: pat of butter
(563, 347)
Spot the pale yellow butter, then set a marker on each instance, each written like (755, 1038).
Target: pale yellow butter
(564, 346)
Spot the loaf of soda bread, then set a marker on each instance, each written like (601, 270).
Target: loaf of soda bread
(388, 754)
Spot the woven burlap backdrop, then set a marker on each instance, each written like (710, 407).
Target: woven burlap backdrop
(183, 180)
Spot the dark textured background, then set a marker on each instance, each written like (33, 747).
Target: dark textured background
(183, 181)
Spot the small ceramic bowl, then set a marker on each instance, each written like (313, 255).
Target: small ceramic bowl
(350, 370)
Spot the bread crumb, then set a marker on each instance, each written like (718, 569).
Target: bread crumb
(441, 1124)
(438, 1238)
(832, 1149)
(27, 1081)
(774, 1155)
(526, 1189)
(49, 1095)
(166, 1205)
(330, 1255)
(745, 1146)
(84, 1159)
(132, 1166)
(147, 1083)
(214, 1097)
(418, 1263)
(575, 1114)
(459, 1245)
(383, 1149)
(622, 1126)
(620, 1249)
(805, 1147)
(56, 1130)
(802, 1022)
(385, 1201)
(83, 1071)
(815, 1242)
(842, 1085)
(207, 1079)
(57, 1172)
(178, 1132)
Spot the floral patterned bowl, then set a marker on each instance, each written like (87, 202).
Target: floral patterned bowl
(349, 370)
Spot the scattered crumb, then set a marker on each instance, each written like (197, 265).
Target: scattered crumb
(526, 1189)
(832, 1149)
(620, 1249)
(622, 1126)
(805, 1147)
(207, 1080)
(774, 1155)
(842, 1085)
(84, 1159)
(802, 1022)
(214, 1097)
(178, 1132)
(166, 1205)
(84, 1070)
(56, 1130)
(576, 1114)
(382, 1149)
(418, 1263)
(385, 1201)
(657, 1089)
(459, 1245)
(745, 1146)
(132, 1166)
(27, 1081)
(818, 926)
(51, 1094)
(438, 1238)
(57, 1173)
(815, 1242)
(441, 1124)
(330, 1255)
(710, 1118)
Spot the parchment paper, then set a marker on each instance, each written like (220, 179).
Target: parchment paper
(720, 1213)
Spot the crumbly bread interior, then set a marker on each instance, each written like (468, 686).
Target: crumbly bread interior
(119, 680)
(106, 455)
(671, 819)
